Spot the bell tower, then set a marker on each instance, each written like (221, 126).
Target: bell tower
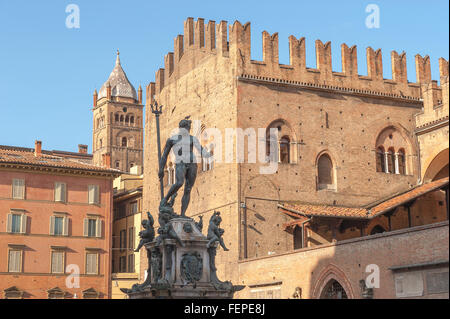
(118, 122)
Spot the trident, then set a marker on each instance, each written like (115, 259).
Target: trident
(157, 110)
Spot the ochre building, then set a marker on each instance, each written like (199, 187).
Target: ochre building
(361, 183)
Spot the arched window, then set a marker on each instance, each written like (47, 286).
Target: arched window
(333, 290)
(282, 139)
(116, 117)
(401, 161)
(132, 120)
(392, 139)
(121, 119)
(117, 164)
(325, 171)
(127, 120)
(391, 160)
(124, 141)
(285, 150)
(381, 162)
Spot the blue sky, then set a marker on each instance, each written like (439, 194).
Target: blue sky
(49, 72)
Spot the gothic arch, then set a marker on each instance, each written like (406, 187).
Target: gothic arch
(332, 272)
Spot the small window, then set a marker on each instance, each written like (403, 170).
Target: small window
(57, 262)
(133, 207)
(124, 142)
(15, 260)
(117, 164)
(59, 223)
(17, 223)
(93, 195)
(60, 192)
(325, 170)
(91, 263)
(18, 189)
(92, 227)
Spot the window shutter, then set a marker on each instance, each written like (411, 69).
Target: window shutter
(91, 194)
(63, 192)
(57, 192)
(66, 226)
(23, 226)
(14, 260)
(9, 224)
(22, 188)
(96, 194)
(85, 227)
(52, 225)
(98, 225)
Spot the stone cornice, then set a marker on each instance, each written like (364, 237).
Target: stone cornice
(329, 88)
(59, 170)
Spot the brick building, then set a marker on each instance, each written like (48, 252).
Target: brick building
(362, 175)
(55, 222)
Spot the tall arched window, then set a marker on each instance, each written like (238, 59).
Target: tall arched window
(381, 162)
(121, 119)
(391, 160)
(285, 150)
(127, 120)
(401, 161)
(116, 117)
(325, 171)
(124, 141)
(132, 120)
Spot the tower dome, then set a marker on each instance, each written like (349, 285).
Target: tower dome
(120, 86)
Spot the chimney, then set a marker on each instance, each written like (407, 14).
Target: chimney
(106, 160)
(37, 148)
(82, 149)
